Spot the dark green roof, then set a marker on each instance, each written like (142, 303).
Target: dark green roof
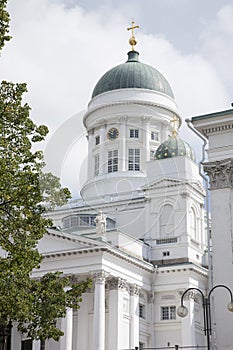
(174, 147)
(133, 74)
(212, 115)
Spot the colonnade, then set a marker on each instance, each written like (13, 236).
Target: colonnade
(100, 340)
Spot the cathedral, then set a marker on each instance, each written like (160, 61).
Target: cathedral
(139, 229)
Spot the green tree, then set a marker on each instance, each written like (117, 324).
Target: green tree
(4, 23)
(26, 193)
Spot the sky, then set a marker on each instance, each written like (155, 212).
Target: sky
(61, 48)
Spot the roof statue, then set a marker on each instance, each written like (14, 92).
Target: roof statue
(101, 224)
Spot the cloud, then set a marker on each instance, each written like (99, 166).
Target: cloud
(61, 52)
(216, 44)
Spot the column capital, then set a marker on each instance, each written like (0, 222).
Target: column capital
(116, 283)
(99, 276)
(134, 289)
(220, 173)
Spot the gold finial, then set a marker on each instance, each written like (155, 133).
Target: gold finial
(175, 122)
(132, 40)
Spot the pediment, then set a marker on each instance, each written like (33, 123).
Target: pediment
(162, 183)
(172, 182)
(55, 241)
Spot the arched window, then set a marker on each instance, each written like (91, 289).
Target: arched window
(193, 224)
(167, 221)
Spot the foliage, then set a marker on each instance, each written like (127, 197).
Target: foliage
(4, 23)
(25, 195)
(50, 296)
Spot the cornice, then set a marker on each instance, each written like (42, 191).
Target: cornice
(103, 249)
(128, 102)
(183, 268)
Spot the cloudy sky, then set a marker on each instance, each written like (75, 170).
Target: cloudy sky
(62, 47)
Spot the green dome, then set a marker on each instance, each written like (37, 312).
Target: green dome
(133, 74)
(174, 147)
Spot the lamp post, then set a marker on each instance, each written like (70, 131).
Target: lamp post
(182, 310)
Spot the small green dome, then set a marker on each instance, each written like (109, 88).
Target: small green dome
(174, 147)
(133, 74)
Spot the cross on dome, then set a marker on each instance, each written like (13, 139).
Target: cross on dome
(132, 40)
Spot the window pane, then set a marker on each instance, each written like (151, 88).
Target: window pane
(134, 159)
(112, 161)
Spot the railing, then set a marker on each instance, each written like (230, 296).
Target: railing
(166, 240)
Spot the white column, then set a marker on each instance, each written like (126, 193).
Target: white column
(67, 328)
(115, 339)
(146, 139)
(122, 146)
(90, 170)
(188, 325)
(134, 314)
(99, 311)
(16, 338)
(103, 165)
(221, 177)
(35, 345)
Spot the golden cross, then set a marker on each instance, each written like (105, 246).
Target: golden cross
(132, 28)
(132, 40)
(175, 125)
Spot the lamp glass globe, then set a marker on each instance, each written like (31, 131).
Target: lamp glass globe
(230, 306)
(182, 311)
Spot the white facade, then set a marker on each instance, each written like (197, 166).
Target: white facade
(155, 243)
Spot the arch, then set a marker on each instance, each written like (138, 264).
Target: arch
(167, 221)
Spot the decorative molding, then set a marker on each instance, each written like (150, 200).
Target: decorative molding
(217, 129)
(220, 173)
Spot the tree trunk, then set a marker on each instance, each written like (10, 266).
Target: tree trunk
(42, 345)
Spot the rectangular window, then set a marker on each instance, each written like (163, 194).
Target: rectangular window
(134, 133)
(168, 312)
(154, 135)
(97, 140)
(97, 164)
(142, 311)
(166, 253)
(112, 161)
(134, 159)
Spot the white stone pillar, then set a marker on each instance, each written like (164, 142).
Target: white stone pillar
(90, 170)
(221, 179)
(35, 345)
(115, 339)
(146, 139)
(16, 338)
(67, 328)
(122, 146)
(103, 161)
(134, 315)
(188, 325)
(99, 311)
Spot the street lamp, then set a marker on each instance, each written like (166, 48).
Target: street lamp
(182, 310)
